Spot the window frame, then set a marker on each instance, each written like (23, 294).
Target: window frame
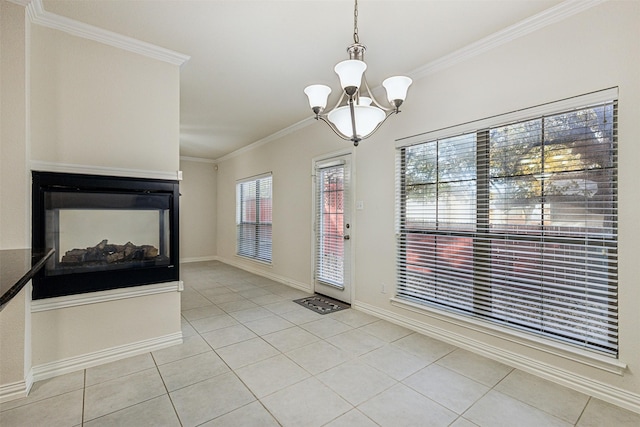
(481, 129)
(256, 247)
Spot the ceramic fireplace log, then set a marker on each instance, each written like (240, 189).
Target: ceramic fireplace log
(107, 253)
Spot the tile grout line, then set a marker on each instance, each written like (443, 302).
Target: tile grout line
(583, 411)
(396, 382)
(165, 388)
(311, 375)
(237, 377)
(84, 394)
(528, 403)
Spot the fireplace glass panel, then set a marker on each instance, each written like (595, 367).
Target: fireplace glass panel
(95, 231)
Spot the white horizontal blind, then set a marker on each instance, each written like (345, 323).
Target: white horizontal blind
(254, 217)
(517, 224)
(331, 185)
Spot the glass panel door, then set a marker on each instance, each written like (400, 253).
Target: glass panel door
(333, 229)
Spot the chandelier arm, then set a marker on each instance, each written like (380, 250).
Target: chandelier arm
(337, 104)
(375, 101)
(333, 128)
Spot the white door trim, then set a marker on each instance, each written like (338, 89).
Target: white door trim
(351, 153)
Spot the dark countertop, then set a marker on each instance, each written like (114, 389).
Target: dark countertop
(17, 267)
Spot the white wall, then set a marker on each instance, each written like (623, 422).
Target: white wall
(197, 211)
(14, 324)
(97, 106)
(14, 149)
(15, 319)
(85, 331)
(593, 50)
(290, 160)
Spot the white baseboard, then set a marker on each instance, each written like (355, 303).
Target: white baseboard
(275, 277)
(609, 393)
(198, 259)
(17, 389)
(12, 391)
(89, 360)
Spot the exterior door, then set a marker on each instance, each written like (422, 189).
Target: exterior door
(333, 228)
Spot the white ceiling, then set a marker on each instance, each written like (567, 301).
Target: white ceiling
(250, 60)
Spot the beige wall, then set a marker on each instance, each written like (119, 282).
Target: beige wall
(13, 324)
(290, 161)
(15, 318)
(197, 211)
(97, 105)
(14, 151)
(59, 335)
(593, 50)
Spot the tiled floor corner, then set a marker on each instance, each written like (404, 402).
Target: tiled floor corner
(253, 357)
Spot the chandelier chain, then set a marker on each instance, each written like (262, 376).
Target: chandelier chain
(356, 38)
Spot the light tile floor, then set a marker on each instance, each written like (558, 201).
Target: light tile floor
(252, 357)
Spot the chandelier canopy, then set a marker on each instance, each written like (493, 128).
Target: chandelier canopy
(357, 114)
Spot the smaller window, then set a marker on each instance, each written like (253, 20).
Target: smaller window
(253, 218)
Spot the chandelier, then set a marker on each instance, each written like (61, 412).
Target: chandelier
(357, 114)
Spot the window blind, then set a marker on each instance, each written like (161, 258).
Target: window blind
(517, 224)
(254, 217)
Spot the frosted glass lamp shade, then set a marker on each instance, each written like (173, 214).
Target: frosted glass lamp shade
(397, 87)
(350, 72)
(318, 95)
(367, 118)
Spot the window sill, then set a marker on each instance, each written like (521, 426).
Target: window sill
(565, 351)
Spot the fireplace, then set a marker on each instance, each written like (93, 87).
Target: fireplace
(107, 232)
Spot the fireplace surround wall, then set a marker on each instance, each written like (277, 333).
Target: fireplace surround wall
(108, 232)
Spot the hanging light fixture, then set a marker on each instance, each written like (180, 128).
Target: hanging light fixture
(355, 116)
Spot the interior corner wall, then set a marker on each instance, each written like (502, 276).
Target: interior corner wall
(592, 50)
(100, 106)
(198, 211)
(290, 161)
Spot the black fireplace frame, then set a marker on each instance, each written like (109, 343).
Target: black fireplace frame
(48, 286)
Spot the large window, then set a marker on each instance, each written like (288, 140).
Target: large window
(253, 218)
(517, 224)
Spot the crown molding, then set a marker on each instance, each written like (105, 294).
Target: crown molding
(197, 159)
(273, 137)
(534, 23)
(37, 15)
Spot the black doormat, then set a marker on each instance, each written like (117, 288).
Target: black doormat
(321, 304)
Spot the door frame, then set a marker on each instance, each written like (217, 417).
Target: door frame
(350, 153)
